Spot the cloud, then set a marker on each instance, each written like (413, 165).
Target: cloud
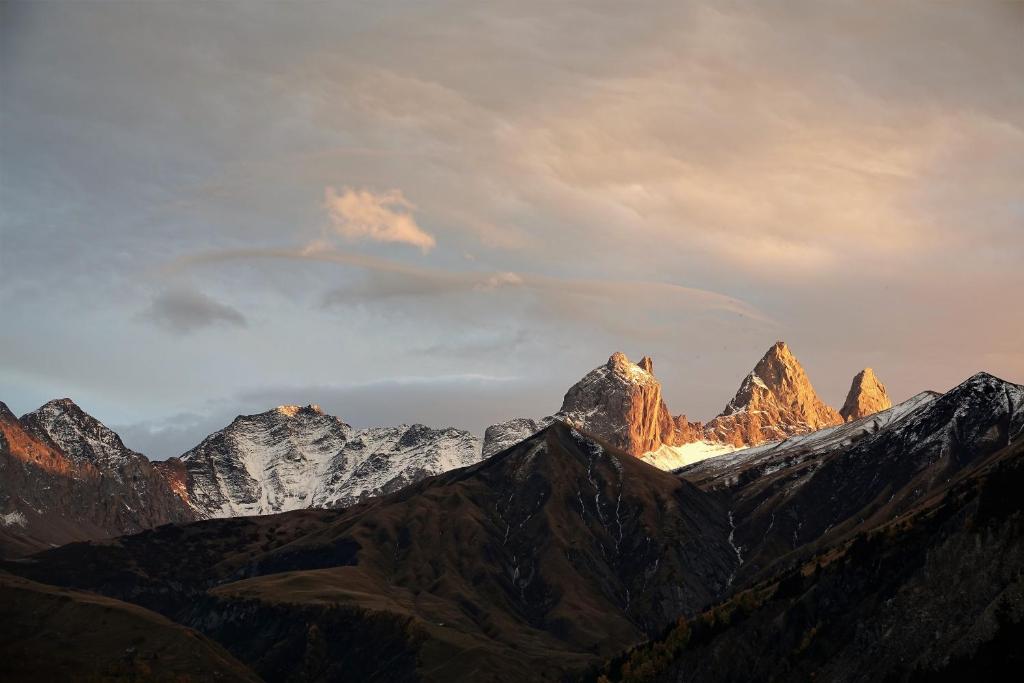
(572, 298)
(855, 179)
(365, 215)
(186, 310)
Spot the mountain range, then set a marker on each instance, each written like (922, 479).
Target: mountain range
(621, 402)
(870, 543)
(565, 556)
(68, 477)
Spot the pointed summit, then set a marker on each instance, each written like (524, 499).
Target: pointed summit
(61, 423)
(867, 396)
(775, 401)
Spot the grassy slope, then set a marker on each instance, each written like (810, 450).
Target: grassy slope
(60, 634)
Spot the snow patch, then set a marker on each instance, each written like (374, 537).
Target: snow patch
(14, 518)
(674, 457)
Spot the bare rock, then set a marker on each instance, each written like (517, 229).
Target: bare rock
(775, 401)
(867, 396)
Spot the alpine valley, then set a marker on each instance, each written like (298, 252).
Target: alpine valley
(614, 540)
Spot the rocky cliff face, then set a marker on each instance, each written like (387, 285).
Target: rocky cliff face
(619, 402)
(64, 477)
(867, 396)
(774, 402)
(298, 457)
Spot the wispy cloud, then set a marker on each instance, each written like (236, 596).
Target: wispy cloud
(392, 279)
(186, 310)
(359, 215)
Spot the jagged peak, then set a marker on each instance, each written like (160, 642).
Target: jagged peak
(618, 360)
(981, 380)
(60, 405)
(866, 374)
(777, 362)
(867, 396)
(67, 407)
(293, 410)
(620, 365)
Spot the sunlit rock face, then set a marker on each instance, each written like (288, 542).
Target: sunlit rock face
(867, 396)
(619, 401)
(775, 401)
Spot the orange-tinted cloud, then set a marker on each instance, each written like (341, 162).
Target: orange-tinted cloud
(379, 217)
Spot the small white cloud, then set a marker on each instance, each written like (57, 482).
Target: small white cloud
(379, 217)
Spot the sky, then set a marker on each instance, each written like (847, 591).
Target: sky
(448, 212)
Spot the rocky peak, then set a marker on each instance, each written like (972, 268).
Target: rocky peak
(775, 401)
(81, 436)
(621, 402)
(867, 396)
(293, 457)
(292, 411)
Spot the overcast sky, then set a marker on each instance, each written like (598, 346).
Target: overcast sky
(447, 212)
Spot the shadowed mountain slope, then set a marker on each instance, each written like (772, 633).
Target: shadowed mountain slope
(860, 474)
(889, 548)
(58, 634)
(535, 562)
(933, 595)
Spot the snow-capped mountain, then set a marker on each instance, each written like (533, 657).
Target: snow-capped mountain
(295, 457)
(64, 476)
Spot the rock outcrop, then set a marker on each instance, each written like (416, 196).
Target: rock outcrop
(619, 402)
(867, 396)
(775, 401)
